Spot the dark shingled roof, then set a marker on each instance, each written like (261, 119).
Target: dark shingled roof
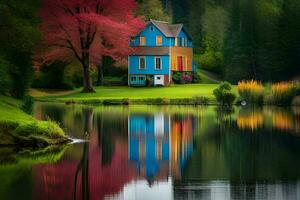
(156, 51)
(169, 30)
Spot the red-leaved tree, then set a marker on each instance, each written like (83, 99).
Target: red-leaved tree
(87, 30)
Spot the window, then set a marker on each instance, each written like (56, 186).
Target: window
(133, 78)
(142, 62)
(141, 78)
(151, 28)
(142, 41)
(183, 42)
(157, 63)
(158, 40)
(179, 43)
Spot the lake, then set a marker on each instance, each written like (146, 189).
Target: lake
(160, 152)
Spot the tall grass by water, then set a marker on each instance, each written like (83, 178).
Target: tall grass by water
(251, 91)
(282, 93)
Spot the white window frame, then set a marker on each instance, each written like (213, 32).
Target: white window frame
(183, 41)
(140, 57)
(156, 63)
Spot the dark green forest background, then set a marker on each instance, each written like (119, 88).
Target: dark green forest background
(237, 39)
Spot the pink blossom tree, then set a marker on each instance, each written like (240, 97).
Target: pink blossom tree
(87, 30)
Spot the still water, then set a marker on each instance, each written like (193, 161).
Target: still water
(152, 153)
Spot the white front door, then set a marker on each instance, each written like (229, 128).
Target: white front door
(159, 80)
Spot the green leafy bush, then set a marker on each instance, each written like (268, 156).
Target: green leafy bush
(149, 80)
(177, 78)
(53, 76)
(196, 77)
(224, 95)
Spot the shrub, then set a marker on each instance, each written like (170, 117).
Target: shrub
(177, 78)
(282, 93)
(224, 95)
(187, 78)
(196, 77)
(126, 101)
(28, 103)
(149, 80)
(251, 91)
(200, 100)
(53, 76)
(160, 101)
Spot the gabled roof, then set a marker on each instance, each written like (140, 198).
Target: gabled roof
(169, 30)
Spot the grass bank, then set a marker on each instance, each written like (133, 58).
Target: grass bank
(19, 128)
(174, 94)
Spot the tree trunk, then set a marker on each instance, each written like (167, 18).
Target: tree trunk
(100, 73)
(87, 81)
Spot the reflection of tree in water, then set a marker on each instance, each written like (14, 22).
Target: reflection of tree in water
(224, 115)
(104, 140)
(83, 164)
(103, 168)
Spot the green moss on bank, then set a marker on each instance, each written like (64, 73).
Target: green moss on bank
(19, 128)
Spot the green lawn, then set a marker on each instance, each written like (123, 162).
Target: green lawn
(121, 92)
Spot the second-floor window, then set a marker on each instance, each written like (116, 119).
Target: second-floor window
(158, 63)
(158, 40)
(183, 42)
(142, 62)
(142, 41)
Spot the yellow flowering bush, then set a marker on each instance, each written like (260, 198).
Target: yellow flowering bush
(282, 93)
(251, 91)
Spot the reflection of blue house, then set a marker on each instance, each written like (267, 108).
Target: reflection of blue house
(149, 142)
(157, 145)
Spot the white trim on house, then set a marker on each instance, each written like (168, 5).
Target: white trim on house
(140, 62)
(155, 62)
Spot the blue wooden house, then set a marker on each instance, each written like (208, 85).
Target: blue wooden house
(159, 50)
